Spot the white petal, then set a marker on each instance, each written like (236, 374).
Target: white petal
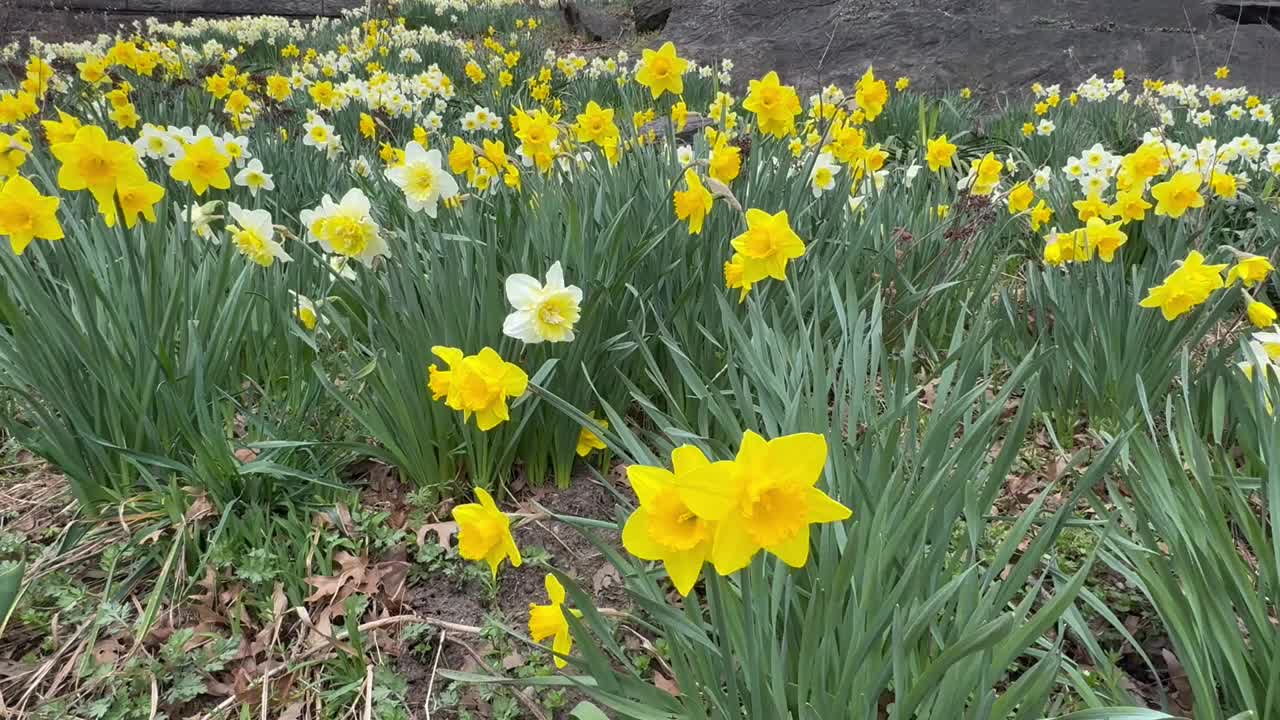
(519, 325)
(414, 153)
(522, 290)
(355, 200)
(448, 186)
(555, 276)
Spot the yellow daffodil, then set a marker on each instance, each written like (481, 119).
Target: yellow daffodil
(595, 125)
(1130, 205)
(734, 278)
(484, 533)
(662, 71)
(137, 197)
(871, 95)
(1185, 288)
(25, 214)
(1224, 185)
(766, 246)
(764, 499)
(939, 153)
(477, 384)
(726, 161)
(663, 527)
(1178, 194)
(693, 205)
(62, 130)
(1103, 238)
(548, 621)
(1020, 198)
(1041, 215)
(588, 440)
(92, 162)
(1260, 314)
(986, 174)
(203, 166)
(1092, 207)
(1249, 270)
(775, 105)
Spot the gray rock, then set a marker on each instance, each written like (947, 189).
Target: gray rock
(594, 24)
(992, 45)
(650, 15)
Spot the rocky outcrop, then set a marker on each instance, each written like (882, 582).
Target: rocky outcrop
(650, 15)
(991, 45)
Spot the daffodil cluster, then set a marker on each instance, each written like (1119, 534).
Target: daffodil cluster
(726, 512)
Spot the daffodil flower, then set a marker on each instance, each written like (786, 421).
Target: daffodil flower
(543, 313)
(484, 532)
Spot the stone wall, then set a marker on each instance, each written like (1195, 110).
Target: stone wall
(986, 44)
(197, 7)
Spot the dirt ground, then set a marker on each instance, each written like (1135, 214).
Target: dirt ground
(567, 549)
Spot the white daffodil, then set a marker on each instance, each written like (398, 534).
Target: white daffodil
(543, 313)
(252, 235)
(823, 176)
(304, 309)
(346, 227)
(156, 143)
(201, 218)
(422, 179)
(253, 177)
(318, 133)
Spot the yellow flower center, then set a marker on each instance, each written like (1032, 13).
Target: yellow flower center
(775, 513)
(253, 245)
(760, 244)
(347, 235)
(673, 525)
(18, 219)
(421, 181)
(475, 391)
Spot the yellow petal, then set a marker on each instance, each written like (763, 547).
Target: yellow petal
(513, 552)
(648, 481)
(555, 590)
(515, 382)
(486, 500)
(685, 567)
(823, 509)
(562, 644)
(754, 450)
(733, 548)
(686, 459)
(710, 492)
(798, 458)
(636, 538)
(795, 551)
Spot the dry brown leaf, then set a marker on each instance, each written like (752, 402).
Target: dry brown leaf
(665, 684)
(199, 508)
(512, 661)
(352, 570)
(1181, 695)
(443, 530)
(108, 650)
(606, 576)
